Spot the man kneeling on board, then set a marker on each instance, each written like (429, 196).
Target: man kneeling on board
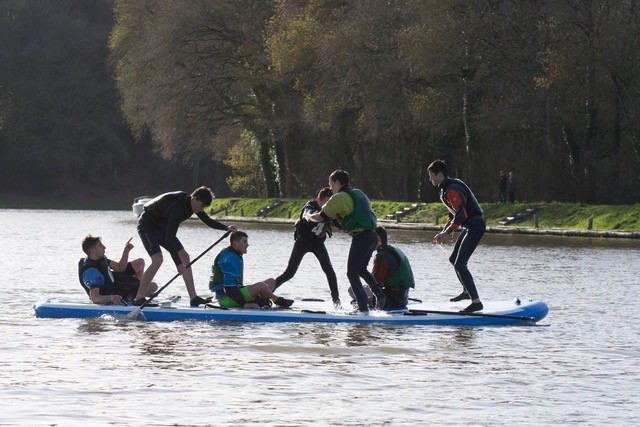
(392, 270)
(226, 278)
(106, 281)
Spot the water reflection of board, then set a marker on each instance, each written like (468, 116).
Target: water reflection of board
(495, 313)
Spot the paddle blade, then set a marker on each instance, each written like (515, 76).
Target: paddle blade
(135, 314)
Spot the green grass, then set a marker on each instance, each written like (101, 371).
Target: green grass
(552, 215)
(249, 207)
(576, 216)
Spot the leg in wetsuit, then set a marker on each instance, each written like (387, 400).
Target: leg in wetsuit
(465, 246)
(300, 249)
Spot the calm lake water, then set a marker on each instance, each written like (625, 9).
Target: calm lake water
(578, 366)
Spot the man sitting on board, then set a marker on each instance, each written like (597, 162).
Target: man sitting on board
(392, 271)
(158, 226)
(226, 278)
(106, 281)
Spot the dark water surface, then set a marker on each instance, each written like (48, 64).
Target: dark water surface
(579, 366)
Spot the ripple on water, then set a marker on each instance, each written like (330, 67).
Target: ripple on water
(580, 367)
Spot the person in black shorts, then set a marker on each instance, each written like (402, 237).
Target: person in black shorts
(158, 226)
(106, 281)
(309, 237)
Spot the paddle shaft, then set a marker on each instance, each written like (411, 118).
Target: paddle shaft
(457, 313)
(155, 294)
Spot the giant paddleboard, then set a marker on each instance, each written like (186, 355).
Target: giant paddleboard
(495, 313)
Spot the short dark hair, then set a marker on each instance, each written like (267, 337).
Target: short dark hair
(203, 194)
(89, 242)
(382, 234)
(438, 166)
(237, 235)
(340, 175)
(325, 193)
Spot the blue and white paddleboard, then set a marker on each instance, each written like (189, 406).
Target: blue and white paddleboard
(495, 313)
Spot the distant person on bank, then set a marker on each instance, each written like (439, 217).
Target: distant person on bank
(392, 270)
(512, 186)
(310, 236)
(110, 282)
(158, 226)
(502, 188)
(464, 213)
(227, 278)
(353, 209)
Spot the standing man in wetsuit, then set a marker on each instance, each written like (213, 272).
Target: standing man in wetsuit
(310, 237)
(352, 207)
(158, 226)
(464, 212)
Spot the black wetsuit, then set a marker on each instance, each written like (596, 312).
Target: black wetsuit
(464, 211)
(310, 237)
(158, 224)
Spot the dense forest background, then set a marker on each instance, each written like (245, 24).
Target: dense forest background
(265, 98)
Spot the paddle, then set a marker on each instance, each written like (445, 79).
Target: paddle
(135, 313)
(457, 313)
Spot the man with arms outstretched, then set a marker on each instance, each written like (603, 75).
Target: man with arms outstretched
(158, 226)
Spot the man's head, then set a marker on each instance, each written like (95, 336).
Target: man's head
(337, 180)
(437, 172)
(324, 195)
(382, 237)
(201, 198)
(93, 247)
(239, 241)
(382, 234)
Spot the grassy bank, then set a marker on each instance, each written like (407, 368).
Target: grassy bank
(550, 215)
